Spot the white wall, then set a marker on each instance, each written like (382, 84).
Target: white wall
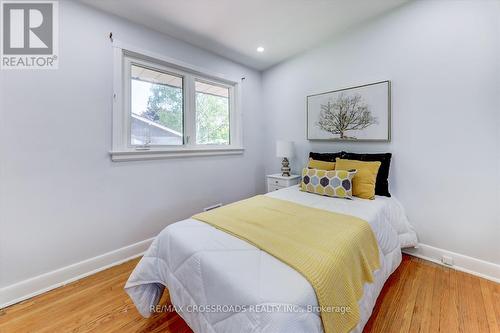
(62, 200)
(443, 58)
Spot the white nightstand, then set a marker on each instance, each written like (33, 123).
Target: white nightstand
(277, 181)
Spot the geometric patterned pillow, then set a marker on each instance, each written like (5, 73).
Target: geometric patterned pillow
(335, 183)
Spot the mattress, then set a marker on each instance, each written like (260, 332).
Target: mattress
(220, 283)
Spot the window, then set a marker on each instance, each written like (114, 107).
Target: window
(165, 109)
(156, 108)
(212, 113)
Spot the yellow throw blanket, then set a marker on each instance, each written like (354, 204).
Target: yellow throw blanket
(336, 253)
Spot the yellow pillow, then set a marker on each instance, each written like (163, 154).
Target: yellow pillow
(321, 165)
(363, 183)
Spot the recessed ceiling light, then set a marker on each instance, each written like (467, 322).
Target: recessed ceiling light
(260, 49)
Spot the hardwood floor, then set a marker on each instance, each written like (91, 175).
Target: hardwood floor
(419, 297)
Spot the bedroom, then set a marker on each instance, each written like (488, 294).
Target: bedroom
(87, 184)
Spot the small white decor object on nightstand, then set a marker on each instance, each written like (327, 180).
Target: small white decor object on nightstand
(277, 181)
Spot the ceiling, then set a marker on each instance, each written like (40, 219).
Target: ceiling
(235, 28)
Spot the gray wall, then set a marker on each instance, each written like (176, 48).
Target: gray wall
(62, 200)
(443, 58)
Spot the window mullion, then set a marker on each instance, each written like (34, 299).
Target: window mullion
(189, 111)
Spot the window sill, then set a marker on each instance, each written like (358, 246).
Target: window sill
(137, 155)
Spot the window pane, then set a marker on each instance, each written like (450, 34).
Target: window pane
(157, 110)
(212, 114)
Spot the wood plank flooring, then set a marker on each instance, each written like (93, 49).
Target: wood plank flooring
(419, 297)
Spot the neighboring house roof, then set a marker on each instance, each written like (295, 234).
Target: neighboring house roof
(156, 125)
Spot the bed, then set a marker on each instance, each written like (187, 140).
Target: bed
(220, 283)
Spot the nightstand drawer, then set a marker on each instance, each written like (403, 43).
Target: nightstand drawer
(278, 182)
(271, 188)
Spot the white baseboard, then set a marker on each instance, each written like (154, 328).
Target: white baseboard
(23, 290)
(478, 267)
(42, 283)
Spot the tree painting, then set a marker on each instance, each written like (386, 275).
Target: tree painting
(345, 113)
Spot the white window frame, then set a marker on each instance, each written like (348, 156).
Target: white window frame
(123, 150)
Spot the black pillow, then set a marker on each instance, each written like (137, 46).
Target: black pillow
(382, 183)
(327, 157)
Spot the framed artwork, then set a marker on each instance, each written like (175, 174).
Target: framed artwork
(361, 113)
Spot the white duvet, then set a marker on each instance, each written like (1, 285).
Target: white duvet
(220, 283)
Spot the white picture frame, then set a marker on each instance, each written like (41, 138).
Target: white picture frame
(355, 114)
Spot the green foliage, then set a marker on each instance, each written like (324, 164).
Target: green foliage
(212, 113)
(165, 106)
(212, 119)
